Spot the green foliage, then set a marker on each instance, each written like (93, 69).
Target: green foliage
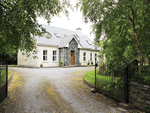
(3, 75)
(107, 83)
(8, 55)
(61, 61)
(19, 25)
(116, 21)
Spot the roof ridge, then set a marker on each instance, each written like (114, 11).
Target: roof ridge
(58, 27)
(67, 36)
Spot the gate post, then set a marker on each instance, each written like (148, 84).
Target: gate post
(95, 72)
(126, 85)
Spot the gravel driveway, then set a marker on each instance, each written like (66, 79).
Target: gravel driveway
(52, 90)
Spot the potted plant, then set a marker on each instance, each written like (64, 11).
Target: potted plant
(61, 63)
(88, 62)
(41, 65)
(91, 62)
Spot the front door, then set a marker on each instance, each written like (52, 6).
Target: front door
(72, 57)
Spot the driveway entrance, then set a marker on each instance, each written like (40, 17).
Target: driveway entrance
(52, 90)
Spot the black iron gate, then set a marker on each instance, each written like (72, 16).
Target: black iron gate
(113, 81)
(3, 82)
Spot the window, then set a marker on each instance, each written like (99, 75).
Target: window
(54, 55)
(91, 56)
(96, 56)
(88, 42)
(84, 56)
(44, 55)
(57, 35)
(48, 36)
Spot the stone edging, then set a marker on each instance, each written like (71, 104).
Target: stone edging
(10, 78)
(88, 84)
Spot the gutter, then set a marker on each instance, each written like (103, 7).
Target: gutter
(42, 44)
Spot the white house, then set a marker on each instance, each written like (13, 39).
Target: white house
(70, 46)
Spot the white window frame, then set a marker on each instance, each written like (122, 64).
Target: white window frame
(84, 56)
(91, 56)
(54, 56)
(46, 56)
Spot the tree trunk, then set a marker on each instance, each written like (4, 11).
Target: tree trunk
(136, 37)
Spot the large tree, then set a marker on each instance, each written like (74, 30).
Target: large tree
(126, 26)
(19, 25)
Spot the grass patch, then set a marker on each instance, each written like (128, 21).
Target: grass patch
(12, 65)
(113, 85)
(101, 80)
(3, 75)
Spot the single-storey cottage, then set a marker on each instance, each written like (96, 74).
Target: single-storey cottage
(67, 46)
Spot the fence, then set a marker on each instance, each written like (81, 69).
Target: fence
(113, 80)
(3, 82)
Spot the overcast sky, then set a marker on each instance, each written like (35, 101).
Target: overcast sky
(76, 20)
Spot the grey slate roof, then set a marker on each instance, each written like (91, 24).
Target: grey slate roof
(60, 42)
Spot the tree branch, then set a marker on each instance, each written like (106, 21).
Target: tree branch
(4, 6)
(133, 16)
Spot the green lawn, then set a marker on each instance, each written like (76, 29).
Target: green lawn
(111, 84)
(3, 75)
(107, 81)
(101, 80)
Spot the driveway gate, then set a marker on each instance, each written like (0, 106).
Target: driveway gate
(3, 82)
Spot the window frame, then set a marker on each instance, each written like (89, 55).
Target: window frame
(84, 56)
(54, 56)
(46, 56)
(91, 56)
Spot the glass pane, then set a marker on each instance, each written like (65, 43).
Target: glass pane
(54, 52)
(44, 52)
(84, 54)
(54, 58)
(43, 57)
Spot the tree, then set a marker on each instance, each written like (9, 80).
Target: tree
(19, 25)
(126, 26)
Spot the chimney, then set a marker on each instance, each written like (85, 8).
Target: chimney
(78, 32)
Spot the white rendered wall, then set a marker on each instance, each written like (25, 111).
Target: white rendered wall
(49, 61)
(29, 62)
(88, 56)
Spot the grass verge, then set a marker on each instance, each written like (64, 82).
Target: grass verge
(113, 85)
(3, 75)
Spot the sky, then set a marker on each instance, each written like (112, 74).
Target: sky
(75, 20)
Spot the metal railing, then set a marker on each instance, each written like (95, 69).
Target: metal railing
(113, 80)
(3, 82)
